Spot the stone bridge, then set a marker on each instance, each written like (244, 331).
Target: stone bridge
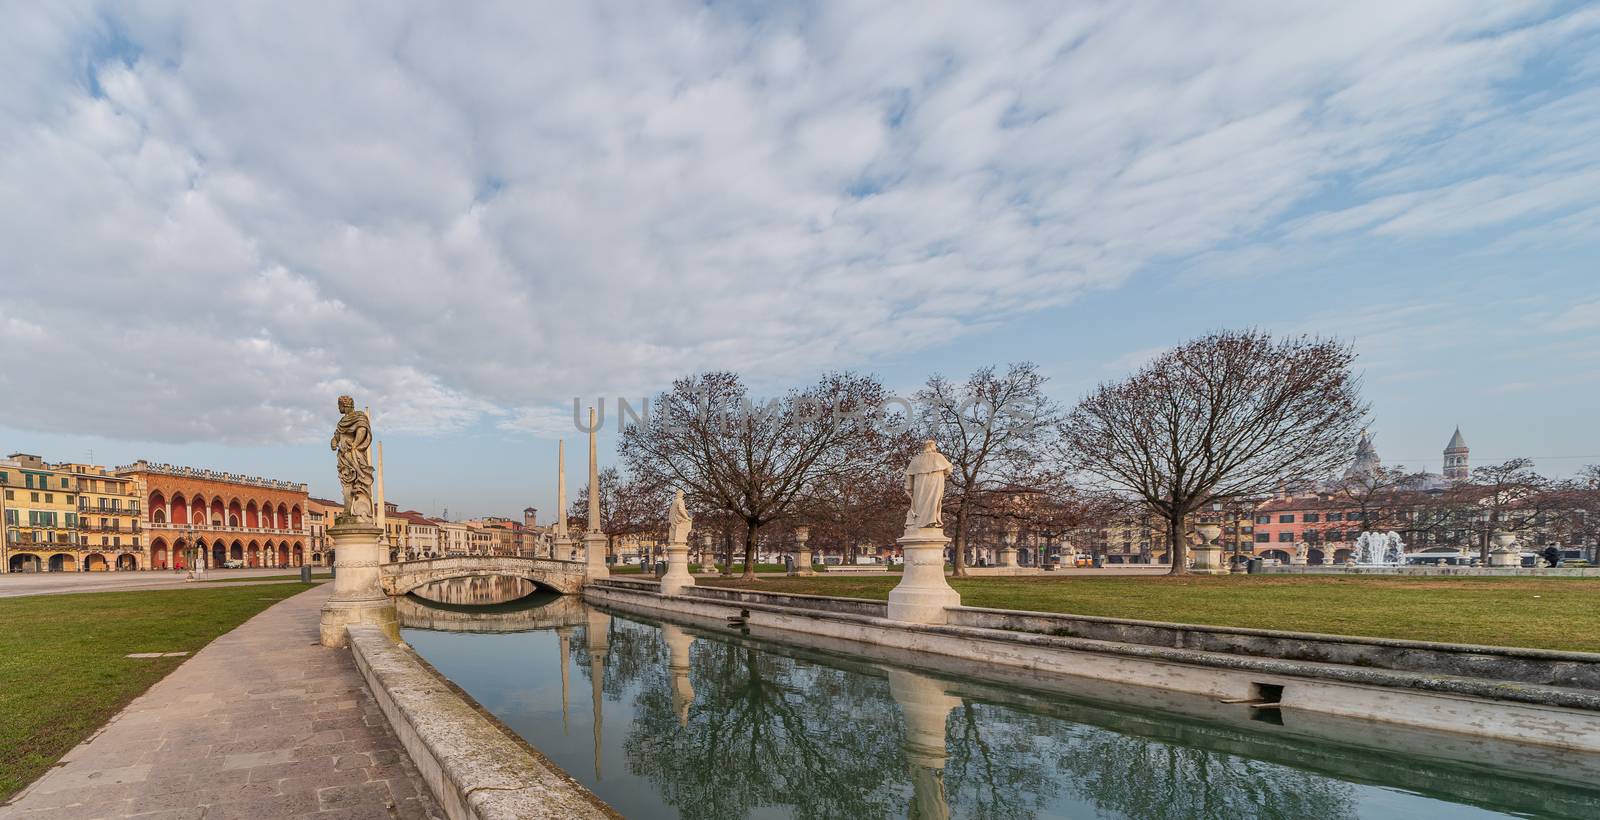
(401, 577)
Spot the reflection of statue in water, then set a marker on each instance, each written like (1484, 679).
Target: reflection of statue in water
(925, 706)
(352, 441)
(925, 487)
(678, 521)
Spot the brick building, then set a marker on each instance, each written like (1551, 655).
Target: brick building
(218, 519)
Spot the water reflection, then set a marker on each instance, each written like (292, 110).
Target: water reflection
(477, 591)
(696, 721)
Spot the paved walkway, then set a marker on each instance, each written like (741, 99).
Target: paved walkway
(264, 723)
(14, 584)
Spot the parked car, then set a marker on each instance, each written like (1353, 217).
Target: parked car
(233, 564)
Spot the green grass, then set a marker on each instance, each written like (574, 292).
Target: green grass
(1544, 613)
(62, 670)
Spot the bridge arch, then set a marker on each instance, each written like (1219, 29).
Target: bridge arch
(402, 577)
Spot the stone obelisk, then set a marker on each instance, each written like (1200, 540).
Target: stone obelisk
(594, 538)
(380, 510)
(562, 546)
(358, 542)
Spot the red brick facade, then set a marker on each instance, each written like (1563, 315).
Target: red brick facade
(196, 516)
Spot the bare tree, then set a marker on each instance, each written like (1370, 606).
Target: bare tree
(707, 437)
(1383, 498)
(1509, 497)
(1230, 415)
(994, 428)
(628, 506)
(1579, 520)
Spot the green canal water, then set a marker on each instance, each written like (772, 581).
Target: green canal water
(665, 719)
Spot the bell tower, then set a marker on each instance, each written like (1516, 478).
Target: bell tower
(1455, 458)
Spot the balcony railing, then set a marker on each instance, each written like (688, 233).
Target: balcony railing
(90, 509)
(167, 525)
(113, 527)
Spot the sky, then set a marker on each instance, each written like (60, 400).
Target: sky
(215, 217)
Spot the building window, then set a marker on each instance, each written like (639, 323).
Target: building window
(1311, 518)
(1287, 518)
(1335, 516)
(1263, 538)
(1263, 519)
(1286, 537)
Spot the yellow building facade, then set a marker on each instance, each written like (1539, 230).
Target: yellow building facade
(69, 517)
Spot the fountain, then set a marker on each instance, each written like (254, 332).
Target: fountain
(1379, 549)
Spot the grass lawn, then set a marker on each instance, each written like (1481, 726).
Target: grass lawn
(1544, 613)
(62, 670)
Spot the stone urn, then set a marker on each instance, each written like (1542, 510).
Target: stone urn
(1207, 555)
(1505, 552)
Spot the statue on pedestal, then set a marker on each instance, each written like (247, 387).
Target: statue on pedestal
(352, 442)
(678, 521)
(925, 487)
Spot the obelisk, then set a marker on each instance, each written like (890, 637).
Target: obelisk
(380, 512)
(594, 539)
(562, 547)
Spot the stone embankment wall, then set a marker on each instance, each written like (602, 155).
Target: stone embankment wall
(1497, 572)
(475, 768)
(1561, 716)
(1497, 663)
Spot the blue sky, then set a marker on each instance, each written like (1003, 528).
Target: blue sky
(223, 218)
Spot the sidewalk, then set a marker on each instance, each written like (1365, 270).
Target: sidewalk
(262, 723)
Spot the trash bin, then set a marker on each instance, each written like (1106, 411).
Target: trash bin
(1098, 562)
(661, 568)
(1254, 566)
(305, 574)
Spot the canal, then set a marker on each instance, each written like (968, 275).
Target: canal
(697, 720)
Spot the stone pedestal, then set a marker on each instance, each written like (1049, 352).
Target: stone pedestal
(563, 549)
(1208, 558)
(357, 592)
(1297, 560)
(677, 576)
(1008, 556)
(802, 562)
(594, 555)
(1505, 558)
(923, 592)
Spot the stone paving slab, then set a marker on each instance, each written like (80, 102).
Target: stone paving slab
(262, 723)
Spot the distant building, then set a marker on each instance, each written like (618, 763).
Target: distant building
(319, 516)
(68, 517)
(1455, 458)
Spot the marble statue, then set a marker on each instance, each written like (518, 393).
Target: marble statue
(925, 487)
(352, 441)
(678, 521)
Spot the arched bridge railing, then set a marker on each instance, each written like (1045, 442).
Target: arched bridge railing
(401, 577)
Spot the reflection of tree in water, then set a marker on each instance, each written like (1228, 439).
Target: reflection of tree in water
(1003, 762)
(765, 730)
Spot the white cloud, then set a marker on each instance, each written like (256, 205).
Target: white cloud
(470, 212)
